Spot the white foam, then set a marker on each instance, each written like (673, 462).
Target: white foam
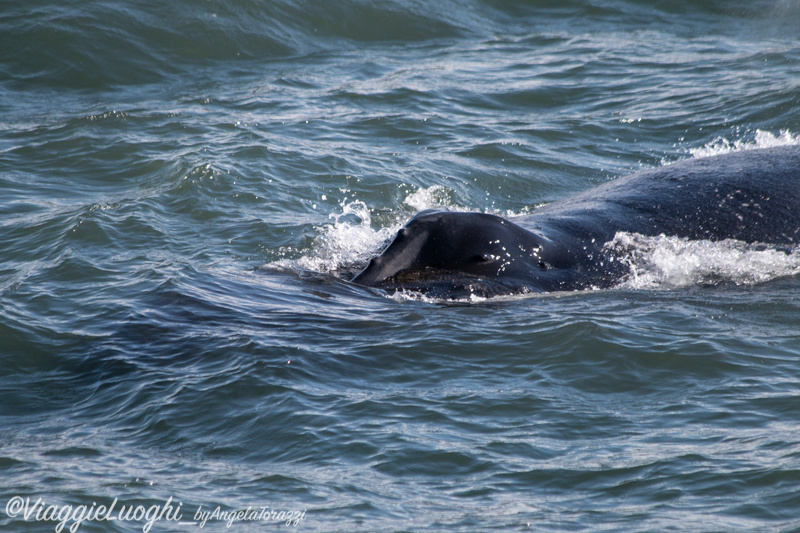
(669, 262)
(761, 139)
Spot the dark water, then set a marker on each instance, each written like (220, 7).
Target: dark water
(184, 184)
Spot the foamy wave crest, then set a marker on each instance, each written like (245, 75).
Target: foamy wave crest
(669, 262)
(762, 139)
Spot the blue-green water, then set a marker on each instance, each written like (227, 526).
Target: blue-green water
(186, 187)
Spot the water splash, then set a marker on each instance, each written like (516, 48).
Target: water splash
(670, 262)
(349, 241)
(435, 197)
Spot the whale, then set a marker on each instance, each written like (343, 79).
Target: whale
(749, 195)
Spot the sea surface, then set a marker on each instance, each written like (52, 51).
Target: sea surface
(186, 188)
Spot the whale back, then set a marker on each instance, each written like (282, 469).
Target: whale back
(751, 196)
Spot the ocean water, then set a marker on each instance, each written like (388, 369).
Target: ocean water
(186, 188)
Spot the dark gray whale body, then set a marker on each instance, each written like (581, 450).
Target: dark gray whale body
(752, 196)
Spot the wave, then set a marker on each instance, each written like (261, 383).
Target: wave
(104, 44)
